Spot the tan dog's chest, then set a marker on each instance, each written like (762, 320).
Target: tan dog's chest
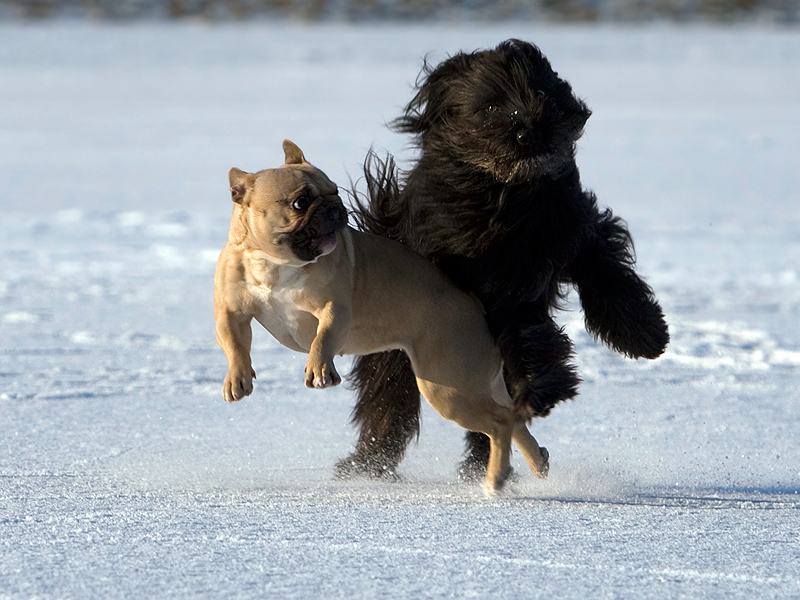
(280, 308)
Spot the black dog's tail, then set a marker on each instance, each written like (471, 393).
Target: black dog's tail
(378, 212)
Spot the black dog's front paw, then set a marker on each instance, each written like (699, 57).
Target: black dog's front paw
(627, 318)
(653, 338)
(642, 333)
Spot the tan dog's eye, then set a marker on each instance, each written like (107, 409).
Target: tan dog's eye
(301, 203)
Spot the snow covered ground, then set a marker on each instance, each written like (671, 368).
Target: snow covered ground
(124, 475)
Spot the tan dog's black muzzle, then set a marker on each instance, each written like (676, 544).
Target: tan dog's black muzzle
(317, 230)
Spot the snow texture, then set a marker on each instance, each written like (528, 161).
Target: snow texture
(123, 474)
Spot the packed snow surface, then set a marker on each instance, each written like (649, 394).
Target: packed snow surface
(123, 474)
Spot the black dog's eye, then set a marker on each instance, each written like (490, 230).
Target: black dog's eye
(492, 108)
(540, 94)
(301, 203)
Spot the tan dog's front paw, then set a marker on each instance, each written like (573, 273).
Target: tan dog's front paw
(321, 375)
(238, 384)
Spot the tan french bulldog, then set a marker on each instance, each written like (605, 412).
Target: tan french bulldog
(323, 288)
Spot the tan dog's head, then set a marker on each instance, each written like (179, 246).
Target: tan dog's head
(291, 213)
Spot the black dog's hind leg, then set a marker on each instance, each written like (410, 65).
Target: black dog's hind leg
(387, 412)
(619, 307)
(536, 355)
(473, 467)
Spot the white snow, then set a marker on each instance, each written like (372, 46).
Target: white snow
(124, 475)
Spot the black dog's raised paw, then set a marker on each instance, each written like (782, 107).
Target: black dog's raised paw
(654, 341)
(644, 334)
(623, 312)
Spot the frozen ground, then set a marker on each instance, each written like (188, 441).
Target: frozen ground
(124, 475)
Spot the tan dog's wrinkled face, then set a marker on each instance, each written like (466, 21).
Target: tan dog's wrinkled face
(291, 213)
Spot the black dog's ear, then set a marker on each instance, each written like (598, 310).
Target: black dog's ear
(432, 101)
(239, 181)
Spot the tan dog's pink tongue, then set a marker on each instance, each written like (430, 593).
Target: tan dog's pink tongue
(326, 243)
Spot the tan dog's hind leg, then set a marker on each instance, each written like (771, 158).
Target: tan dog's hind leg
(496, 422)
(481, 414)
(499, 467)
(538, 458)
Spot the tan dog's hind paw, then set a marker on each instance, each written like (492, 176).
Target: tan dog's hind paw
(237, 385)
(321, 375)
(490, 492)
(500, 487)
(545, 468)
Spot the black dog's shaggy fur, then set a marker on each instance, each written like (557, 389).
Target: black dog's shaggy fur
(496, 201)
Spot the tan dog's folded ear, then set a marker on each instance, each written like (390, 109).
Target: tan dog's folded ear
(239, 181)
(294, 156)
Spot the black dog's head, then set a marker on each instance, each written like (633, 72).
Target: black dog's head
(503, 111)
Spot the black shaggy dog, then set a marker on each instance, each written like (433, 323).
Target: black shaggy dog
(496, 201)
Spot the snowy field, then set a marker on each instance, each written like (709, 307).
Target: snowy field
(123, 474)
